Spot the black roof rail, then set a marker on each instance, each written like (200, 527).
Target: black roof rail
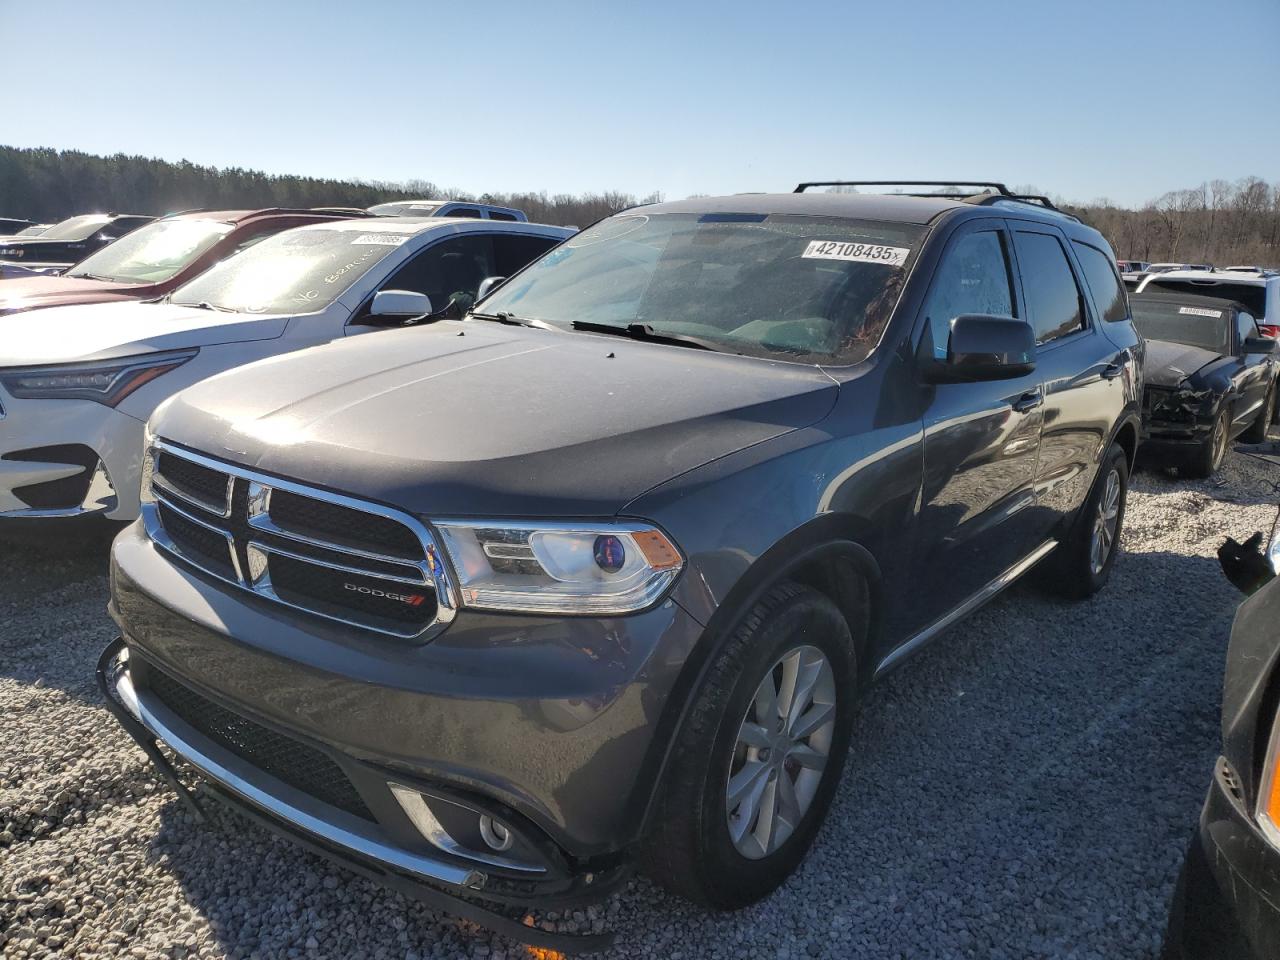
(999, 188)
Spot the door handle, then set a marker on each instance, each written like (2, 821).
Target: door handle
(1028, 401)
(1115, 367)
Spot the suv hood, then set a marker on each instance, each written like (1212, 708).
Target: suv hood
(1168, 364)
(102, 331)
(474, 418)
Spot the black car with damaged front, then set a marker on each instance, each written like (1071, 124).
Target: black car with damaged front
(1210, 377)
(596, 577)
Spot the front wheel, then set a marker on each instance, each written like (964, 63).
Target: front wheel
(1207, 458)
(756, 764)
(1082, 563)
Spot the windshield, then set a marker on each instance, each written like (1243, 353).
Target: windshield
(152, 253)
(301, 270)
(36, 231)
(814, 289)
(76, 228)
(1193, 326)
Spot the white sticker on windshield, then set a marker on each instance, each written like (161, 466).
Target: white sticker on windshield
(1200, 312)
(859, 252)
(379, 239)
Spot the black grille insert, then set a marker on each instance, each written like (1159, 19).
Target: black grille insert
(350, 595)
(300, 766)
(344, 526)
(196, 481)
(207, 547)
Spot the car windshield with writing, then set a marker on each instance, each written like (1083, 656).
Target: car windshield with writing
(808, 289)
(76, 228)
(292, 272)
(153, 253)
(1192, 326)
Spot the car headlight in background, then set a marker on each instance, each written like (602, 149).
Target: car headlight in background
(104, 381)
(567, 568)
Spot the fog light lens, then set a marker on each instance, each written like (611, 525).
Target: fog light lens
(495, 834)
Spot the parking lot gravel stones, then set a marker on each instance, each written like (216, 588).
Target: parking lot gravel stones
(1024, 788)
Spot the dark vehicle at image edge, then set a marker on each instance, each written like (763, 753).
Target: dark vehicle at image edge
(1226, 905)
(502, 606)
(68, 241)
(1210, 377)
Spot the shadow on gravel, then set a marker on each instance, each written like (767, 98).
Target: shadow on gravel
(1023, 788)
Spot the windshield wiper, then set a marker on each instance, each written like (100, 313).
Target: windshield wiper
(509, 318)
(203, 305)
(643, 331)
(93, 276)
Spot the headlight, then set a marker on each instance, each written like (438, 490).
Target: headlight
(601, 569)
(105, 381)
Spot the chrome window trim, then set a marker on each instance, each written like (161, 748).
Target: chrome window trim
(434, 569)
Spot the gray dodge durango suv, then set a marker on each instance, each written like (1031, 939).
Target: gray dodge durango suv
(495, 609)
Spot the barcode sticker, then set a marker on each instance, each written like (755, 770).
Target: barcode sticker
(379, 240)
(857, 252)
(1200, 312)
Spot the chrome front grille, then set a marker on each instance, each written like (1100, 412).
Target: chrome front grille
(321, 553)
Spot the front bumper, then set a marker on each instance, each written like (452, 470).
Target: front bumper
(547, 722)
(1227, 903)
(106, 482)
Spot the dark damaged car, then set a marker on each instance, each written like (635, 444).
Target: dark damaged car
(1210, 377)
(596, 578)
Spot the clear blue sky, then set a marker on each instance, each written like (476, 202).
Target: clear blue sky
(1074, 96)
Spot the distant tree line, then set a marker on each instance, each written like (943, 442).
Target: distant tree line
(1218, 222)
(48, 185)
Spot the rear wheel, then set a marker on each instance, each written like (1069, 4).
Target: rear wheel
(757, 762)
(1208, 457)
(1257, 432)
(1082, 563)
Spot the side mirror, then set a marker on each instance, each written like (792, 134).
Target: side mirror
(399, 304)
(1261, 345)
(983, 347)
(486, 287)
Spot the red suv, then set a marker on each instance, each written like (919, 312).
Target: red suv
(157, 258)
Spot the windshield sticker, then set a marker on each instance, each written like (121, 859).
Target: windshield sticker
(856, 252)
(337, 274)
(1200, 312)
(379, 240)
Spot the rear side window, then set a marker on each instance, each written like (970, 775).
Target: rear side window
(511, 253)
(1053, 299)
(1245, 327)
(470, 213)
(1108, 293)
(498, 215)
(973, 278)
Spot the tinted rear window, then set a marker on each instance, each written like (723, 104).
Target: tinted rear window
(1191, 324)
(1253, 297)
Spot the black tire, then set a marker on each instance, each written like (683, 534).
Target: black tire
(689, 849)
(1072, 572)
(1207, 458)
(1257, 432)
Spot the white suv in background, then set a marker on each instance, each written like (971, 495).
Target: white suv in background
(1257, 289)
(78, 384)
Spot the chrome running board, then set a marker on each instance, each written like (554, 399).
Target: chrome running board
(907, 648)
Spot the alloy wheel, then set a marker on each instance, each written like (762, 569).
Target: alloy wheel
(1106, 520)
(781, 752)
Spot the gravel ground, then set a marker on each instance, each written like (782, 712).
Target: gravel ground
(1024, 788)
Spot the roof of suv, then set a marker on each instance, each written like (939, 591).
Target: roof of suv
(414, 225)
(900, 208)
(241, 216)
(1219, 276)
